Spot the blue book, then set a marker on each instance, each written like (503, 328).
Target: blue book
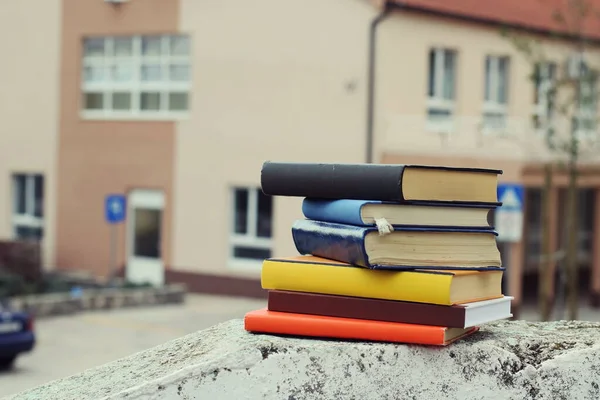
(405, 248)
(366, 212)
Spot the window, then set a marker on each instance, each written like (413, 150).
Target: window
(545, 75)
(584, 120)
(136, 76)
(533, 223)
(28, 206)
(251, 238)
(441, 88)
(585, 225)
(496, 93)
(147, 227)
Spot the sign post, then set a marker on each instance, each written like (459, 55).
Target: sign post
(114, 213)
(509, 220)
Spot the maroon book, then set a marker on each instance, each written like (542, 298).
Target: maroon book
(457, 316)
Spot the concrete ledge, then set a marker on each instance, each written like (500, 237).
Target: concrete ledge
(98, 299)
(507, 360)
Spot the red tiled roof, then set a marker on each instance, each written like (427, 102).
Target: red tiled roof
(530, 14)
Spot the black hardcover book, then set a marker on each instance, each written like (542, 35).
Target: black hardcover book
(383, 182)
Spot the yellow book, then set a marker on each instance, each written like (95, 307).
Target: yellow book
(318, 275)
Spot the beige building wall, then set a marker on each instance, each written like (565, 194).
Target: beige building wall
(404, 42)
(286, 81)
(29, 102)
(273, 80)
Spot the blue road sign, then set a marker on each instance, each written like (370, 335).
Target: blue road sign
(509, 217)
(114, 208)
(512, 196)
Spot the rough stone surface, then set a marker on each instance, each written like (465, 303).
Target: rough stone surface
(506, 360)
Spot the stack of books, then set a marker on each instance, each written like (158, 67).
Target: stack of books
(394, 253)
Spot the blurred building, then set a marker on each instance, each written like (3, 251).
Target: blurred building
(176, 103)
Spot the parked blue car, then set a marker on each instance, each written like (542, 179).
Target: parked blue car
(17, 335)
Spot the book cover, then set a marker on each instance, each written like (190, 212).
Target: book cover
(455, 316)
(348, 211)
(346, 243)
(382, 182)
(318, 275)
(265, 321)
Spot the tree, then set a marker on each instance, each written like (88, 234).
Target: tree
(570, 104)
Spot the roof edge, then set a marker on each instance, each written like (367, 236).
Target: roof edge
(399, 5)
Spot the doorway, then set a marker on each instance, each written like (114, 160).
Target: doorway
(144, 232)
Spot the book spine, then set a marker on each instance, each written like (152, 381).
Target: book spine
(336, 211)
(338, 242)
(333, 181)
(363, 308)
(432, 288)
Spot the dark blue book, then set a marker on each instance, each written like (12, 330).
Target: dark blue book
(418, 214)
(405, 248)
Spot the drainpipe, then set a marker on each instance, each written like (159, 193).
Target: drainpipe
(371, 82)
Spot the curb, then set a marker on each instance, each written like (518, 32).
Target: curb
(46, 305)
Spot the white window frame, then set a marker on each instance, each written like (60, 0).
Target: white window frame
(27, 219)
(135, 86)
(492, 105)
(541, 107)
(250, 238)
(437, 100)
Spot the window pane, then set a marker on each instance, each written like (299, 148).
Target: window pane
(575, 124)
(178, 102)
(265, 215)
(93, 73)
(122, 72)
(251, 253)
(93, 101)
(121, 101)
(151, 72)
(241, 211)
(538, 79)
(431, 82)
(550, 108)
(28, 233)
(502, 80)
(449, 75)
(488, 72)
(38, 188)
(179, 45)
(551, 71)
(123, 47)
(588, 96)
(150, 101)
(151, 45)
(537, 121)
(93, 47)
(586, 220)
(147, 233)
(179, 73)
(19, 206)
(588, 124)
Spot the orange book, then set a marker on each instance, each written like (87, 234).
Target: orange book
(279, 323)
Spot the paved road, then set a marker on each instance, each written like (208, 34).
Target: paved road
(68, 345)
